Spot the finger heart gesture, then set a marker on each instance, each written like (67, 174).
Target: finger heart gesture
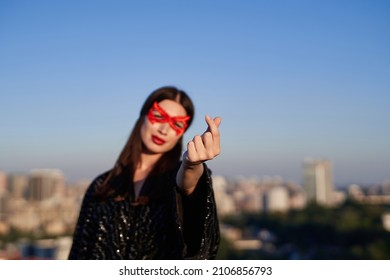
(206, 146)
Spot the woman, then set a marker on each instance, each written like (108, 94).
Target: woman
(151, 204)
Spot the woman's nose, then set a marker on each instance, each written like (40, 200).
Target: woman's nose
(164, 128)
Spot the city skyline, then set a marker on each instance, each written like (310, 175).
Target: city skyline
(41, 206)
(290, 80)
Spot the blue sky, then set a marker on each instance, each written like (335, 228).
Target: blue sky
(290, 79)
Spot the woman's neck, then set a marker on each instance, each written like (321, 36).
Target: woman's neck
(143, 169)
(147, 161)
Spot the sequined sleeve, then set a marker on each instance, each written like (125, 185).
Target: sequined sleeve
(200, 221)
(84, 235)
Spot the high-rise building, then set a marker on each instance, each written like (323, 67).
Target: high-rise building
(3, 195)
(3, 181)
(277, 199)
(224, 201)
(17, 185)
(44, 183)
(318, 181)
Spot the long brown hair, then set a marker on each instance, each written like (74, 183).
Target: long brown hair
(121, 175)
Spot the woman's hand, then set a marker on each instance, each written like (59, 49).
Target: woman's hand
(199, 149)
(204, 147)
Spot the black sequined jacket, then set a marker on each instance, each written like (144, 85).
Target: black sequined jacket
(162, 224)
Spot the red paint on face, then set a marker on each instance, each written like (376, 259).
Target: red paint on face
(157, 114)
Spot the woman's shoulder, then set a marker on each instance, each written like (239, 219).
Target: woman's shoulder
(96, 182)
(99, 179)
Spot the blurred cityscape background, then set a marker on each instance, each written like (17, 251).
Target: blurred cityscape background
(260, 218)
(290, 79)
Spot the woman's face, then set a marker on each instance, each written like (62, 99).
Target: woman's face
(163, 126)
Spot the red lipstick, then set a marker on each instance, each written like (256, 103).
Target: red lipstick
(157, 140)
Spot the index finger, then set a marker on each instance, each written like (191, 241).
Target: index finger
(213, 125)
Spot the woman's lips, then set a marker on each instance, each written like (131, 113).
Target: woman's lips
(157, 140)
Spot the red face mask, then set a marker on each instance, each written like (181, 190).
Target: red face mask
(157, 114)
